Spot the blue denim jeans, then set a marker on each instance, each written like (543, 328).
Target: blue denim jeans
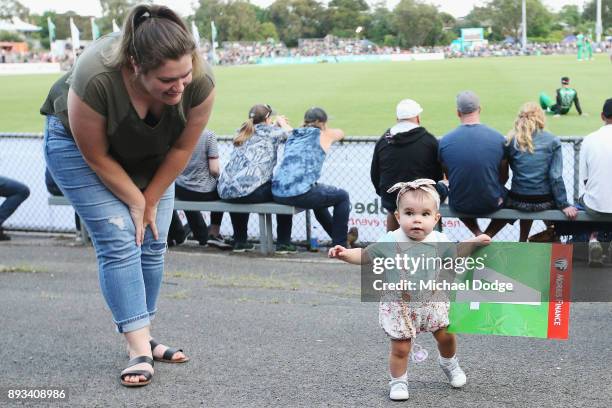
(240, 221)
(15, 194)
(319, 198)
(130, 276)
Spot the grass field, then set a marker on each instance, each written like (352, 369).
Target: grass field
(361, 97)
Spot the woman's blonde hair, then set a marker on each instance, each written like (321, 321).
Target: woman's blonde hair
(150, 36)
(530, 120)
(257, 114)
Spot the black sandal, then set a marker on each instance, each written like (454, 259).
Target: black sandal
(168, 354)
(147, 374)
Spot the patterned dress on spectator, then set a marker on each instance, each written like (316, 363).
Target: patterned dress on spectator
(251, 165)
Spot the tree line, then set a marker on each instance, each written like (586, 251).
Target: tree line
(410, 23)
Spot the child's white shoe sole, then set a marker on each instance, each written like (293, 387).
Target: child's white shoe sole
(399, 391)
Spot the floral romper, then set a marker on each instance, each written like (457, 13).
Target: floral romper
(403, 317)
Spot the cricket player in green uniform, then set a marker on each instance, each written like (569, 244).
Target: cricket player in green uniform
(580, 45)
(588, 47)
(566, 96)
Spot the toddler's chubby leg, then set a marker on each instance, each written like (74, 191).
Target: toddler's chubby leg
(447, 345)
(398, 363)
(398, 357)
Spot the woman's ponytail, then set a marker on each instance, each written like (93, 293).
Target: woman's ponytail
(245, 132)
(258, 114)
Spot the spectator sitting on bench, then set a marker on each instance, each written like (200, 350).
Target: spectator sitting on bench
(247, 177)
(198, 182)
(472, 156)
(16, 193)
(407, 151)
(536, 161)
(296, 180)
(595, 172)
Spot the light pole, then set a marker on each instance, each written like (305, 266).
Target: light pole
(524, 25)
(598, 25)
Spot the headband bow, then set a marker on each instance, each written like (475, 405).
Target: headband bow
(427, 185)
(411, 185)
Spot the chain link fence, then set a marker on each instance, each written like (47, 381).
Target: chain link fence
(347, 166)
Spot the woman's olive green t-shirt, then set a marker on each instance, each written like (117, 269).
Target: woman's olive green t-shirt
(138, 147)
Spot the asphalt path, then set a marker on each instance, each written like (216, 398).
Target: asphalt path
(281, 331)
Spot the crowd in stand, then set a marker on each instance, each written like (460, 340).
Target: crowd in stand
(335, 46)
(65, 60)
(250, 52)
(11, 57)
(237, 53)
(516, 49)
(247, 52)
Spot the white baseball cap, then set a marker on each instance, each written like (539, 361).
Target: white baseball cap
(407, 109)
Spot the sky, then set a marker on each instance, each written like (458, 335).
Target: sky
(457, 8)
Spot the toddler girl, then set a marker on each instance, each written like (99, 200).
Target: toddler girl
(401, 317)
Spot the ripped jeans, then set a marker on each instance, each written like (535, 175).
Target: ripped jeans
(130, 276)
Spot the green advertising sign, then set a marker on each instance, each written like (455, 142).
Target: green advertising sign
(537, 305)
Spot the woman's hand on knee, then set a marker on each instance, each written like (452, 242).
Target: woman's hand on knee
(137, 212)
(150, 215)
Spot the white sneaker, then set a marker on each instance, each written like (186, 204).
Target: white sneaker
(454, 373)
(398, 390)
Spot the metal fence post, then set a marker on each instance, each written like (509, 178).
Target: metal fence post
(577, 145)
(308, 226)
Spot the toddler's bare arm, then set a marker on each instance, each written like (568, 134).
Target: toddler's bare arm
(466, 248)
(353, 256)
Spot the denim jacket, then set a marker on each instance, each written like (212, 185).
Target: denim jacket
(540, 172)
(301, 165)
